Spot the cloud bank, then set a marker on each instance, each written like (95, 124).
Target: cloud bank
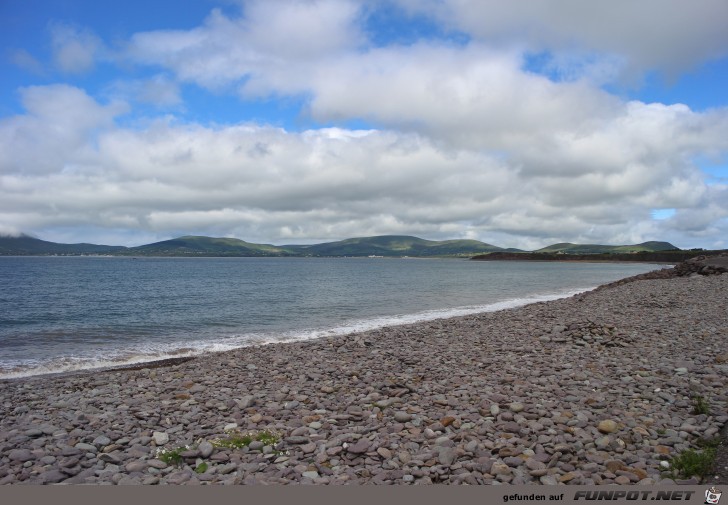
(465, 139)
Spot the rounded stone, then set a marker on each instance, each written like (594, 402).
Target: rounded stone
(513, 461)
(402, 417)
(205, 449)
(160, 437)
(102, 441)
(500, 469)
(603, 442)
(446, 456)
(110, 458)
(607, 426)
(360, 447)
(548, 480)
(136, 466)
(384, 452)
(156, 463)
(21, 455)
(85, 447)
(52, 476)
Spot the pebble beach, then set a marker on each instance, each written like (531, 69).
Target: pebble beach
(604, 387)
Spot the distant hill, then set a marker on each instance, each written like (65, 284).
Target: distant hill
(206, 246)
(25, 245)
(383, 245)
(565, 251)
(568, 248)
(394, 246)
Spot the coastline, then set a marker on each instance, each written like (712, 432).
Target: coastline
(667, 257)
(125, 330)
(597, 388)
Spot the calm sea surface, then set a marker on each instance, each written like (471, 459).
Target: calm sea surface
(69, 313)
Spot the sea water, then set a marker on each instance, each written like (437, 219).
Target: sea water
(60, 314)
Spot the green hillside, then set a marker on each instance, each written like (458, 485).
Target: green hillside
(394, 246)
(25, 245)
(206, 246)
(568, 248)
(384, 245)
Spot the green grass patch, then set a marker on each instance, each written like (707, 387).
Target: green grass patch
(700, 406)
(171, 456)
(233, 440)
(268, 438)
(238, 440)
(691, 463)
(708, 443)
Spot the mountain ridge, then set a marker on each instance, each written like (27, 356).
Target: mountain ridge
(394, 245)
(27, 245)
(569, 248)
(379, 245)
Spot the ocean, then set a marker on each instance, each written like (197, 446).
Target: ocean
(63, 314)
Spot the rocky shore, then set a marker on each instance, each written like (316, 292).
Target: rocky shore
(600, 388)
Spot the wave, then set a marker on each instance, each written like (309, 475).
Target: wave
(105, 359)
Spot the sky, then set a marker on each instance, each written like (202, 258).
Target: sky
(519, 124)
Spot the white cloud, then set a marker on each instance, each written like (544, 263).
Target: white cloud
(667, 35)
(271, 37)
(302, 29)
(9, 231)
(279, 47)
(74, 49)
(266, 184)
(471, 97)
(57, 133)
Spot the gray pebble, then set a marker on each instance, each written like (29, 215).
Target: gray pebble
(206, 449)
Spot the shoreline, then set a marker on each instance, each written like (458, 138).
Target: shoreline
(352, 327)
(666, 257)
(597, 388)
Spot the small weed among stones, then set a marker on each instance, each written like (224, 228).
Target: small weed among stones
(708, 443)
(233, 440)
(691, 463)
(171, 456)
(238, 440)
(700, 406)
